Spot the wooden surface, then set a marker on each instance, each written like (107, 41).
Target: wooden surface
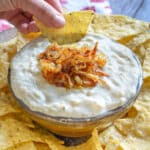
(139, 9)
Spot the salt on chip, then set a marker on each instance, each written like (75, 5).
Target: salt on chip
(118, 27)
(76, 26)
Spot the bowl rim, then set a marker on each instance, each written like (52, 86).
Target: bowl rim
(78, 120)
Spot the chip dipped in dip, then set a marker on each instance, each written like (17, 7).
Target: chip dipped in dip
(119, 78)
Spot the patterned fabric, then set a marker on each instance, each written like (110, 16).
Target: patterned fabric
(4, 25)
(99, 6)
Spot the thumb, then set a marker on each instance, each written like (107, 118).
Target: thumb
(39, 8)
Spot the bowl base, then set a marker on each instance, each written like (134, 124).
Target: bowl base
(72, 141)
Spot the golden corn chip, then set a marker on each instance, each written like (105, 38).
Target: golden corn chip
(22, 40)
(118, 27)
(140, 122)
(24, 146)
(76, 26)
(133, 131)
(7, 51)
(13, 132)
(110, 138)
(32, 35)
(4, 64)
(9, 47)
(146, 64)
(132, 112)
(125, 40)
(5, 106)
(137, 44)
(113, 139)
(138, 40)
(41, 146)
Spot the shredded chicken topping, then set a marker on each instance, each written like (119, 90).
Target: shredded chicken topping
(73, 67)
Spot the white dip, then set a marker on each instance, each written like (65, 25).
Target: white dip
(29, 85)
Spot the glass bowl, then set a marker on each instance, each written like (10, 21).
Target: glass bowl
(78, 127)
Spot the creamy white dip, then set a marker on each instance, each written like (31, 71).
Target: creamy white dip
(29, 85)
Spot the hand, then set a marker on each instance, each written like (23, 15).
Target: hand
(20, 12)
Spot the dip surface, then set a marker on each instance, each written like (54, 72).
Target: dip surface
(29, 85)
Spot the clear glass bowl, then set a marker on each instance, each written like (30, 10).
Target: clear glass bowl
(77, 127)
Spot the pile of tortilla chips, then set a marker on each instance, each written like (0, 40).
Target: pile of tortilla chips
(132, 132)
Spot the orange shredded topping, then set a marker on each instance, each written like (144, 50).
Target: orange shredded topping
(72, 67)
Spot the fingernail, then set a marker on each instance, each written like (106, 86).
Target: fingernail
(59, 21)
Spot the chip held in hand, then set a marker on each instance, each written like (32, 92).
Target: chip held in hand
(76, 26)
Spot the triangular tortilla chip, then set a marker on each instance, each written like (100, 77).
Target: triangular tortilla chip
(75, 28)
(137, 44)
(118, 27)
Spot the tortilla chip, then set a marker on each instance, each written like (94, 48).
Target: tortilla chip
(9, 106)
(112, 139)
(146, 64)
(133, 130)
(9, 47)
(118, 27)
(24, 146)
(4, 64)
(22, 40)
(6, 106)
(32, 35)
(138, 40)
(41, 146)
(137, 44)
(7, 51)
(76, 26)
(13, 132)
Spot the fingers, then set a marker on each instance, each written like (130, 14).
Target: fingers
(7, 5)
(44, 12)
(9, 14)
(32, 27)
(28, 27)
(56, 4)
(23, 23)
(20, 22)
